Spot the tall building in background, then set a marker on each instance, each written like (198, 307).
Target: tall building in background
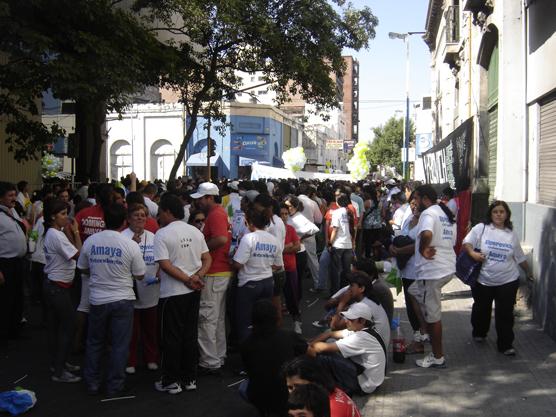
(351, 102)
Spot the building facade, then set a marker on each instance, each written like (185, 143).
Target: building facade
(492, 66)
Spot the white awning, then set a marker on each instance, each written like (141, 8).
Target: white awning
(200, 160)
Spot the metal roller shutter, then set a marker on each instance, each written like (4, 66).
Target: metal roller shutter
(492, 148)
(547, 153)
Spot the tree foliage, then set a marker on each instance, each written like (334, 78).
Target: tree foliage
(296, 44)
(388, 142)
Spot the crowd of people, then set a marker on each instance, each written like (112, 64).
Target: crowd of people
(175, 274)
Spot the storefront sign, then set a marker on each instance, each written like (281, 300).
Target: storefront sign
(348, 146)
(337, 144)
(448, 161)
(249, 145)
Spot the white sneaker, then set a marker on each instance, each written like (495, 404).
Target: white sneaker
(430, 361)
(130, 370)
(421, 338)
(190, 385)
(174, 388)
(66, 377)
(152, 366)
(297, 327)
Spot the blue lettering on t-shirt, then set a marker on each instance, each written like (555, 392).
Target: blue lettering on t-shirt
(106, 251)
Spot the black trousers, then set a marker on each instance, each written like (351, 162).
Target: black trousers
(61, 324)
(11, 298)
(504, 300)
(370, 236)
(411, 315)
(339, 266)
(301, 259)
(178, 323)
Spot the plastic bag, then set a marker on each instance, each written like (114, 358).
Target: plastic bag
(17, 401)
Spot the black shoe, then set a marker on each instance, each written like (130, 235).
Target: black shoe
(122, 392)
(203, 371)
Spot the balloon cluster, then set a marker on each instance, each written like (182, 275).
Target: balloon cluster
(359, 166)
(294, 159)
(51, 165)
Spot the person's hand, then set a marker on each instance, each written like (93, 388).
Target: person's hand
(195, 282)
(393, 250)
(429, 252)
(311, 351)
(2, 279)
(530, 277)
(74, 226)
(478, 257)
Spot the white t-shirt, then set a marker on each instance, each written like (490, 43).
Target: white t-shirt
(257, 252)
(151, 206)
(502, 250)
(399, 216)
(340, 221)
(435, 220)
(302, 227)
(366, 351)
(147, 292)
(183, 245)
(311, 209)
(277, 228)
(453, 206)
(58, 252)
(38, 255)
(382, 324)
(112, 260)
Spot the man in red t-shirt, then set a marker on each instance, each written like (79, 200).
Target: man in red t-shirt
(212, 311)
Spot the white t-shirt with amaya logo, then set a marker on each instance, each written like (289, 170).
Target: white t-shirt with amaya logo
(112, 260)
(257, 252)
(502, 251)
(183, 245)
(147, 293)
(435, 220)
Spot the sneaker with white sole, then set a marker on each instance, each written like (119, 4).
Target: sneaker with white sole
(297, 327)
(152, 366)
(421, 338)
(430, 361)
(509, 352)
(190, 385)
(67, 377)
(68, 367)
(173, 388)
(130, 370)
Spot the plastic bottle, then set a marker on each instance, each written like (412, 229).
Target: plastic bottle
(398, 343)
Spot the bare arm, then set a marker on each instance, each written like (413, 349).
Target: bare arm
(216, 242)
(425, 249)
(292, 247)
(476, 256)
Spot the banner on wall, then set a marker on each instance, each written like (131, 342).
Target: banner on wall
(259, 171)
(449, 160)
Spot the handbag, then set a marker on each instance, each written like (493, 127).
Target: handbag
(468, 269)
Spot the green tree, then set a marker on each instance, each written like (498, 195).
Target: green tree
(388, 142)
(296, 44)
(94, 52)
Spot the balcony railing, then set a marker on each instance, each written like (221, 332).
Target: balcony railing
(452, 24)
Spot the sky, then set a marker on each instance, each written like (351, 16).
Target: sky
(382, 66)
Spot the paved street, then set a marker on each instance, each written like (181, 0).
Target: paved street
(477, 382)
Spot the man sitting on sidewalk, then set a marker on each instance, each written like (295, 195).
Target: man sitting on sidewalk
(357, 358)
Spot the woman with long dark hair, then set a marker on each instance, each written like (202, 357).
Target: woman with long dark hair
(60, 256)
(500, 255)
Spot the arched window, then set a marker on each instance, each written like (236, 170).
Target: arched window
(121, 160)
(163, 156)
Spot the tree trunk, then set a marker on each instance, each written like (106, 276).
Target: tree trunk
(183, 146)
(89, 118)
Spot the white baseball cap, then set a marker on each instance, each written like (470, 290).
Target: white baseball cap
(358, 311)
(234, 185)
(206, 188)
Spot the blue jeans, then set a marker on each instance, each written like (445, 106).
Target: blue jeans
(115, 318)
(246, 296)
(324, 266)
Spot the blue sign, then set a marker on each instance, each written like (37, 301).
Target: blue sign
(423, 142)
(249, 145)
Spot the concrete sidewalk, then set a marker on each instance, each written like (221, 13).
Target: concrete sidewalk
(478, 381)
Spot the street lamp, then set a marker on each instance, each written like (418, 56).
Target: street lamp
(405, 38)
